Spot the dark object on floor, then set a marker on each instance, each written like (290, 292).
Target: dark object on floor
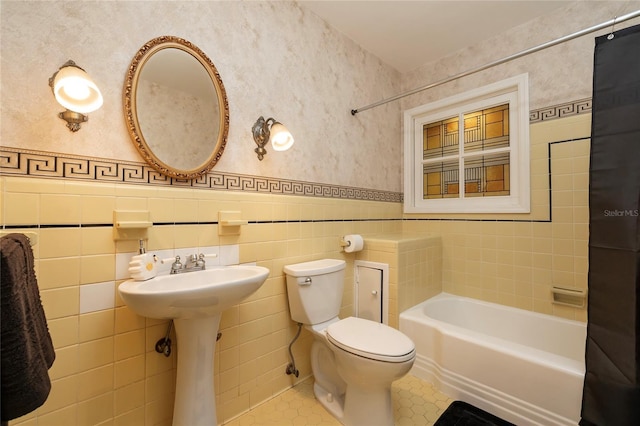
(460, 413)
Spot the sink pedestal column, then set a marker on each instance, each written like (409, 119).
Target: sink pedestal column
(195, 402)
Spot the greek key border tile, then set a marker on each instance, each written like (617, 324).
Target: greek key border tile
(29, 163)
(559, 111)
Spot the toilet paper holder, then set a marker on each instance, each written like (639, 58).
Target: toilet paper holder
(352, 243)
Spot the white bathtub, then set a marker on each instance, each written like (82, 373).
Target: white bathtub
(525, 367)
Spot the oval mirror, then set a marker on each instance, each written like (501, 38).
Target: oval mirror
(176, 108)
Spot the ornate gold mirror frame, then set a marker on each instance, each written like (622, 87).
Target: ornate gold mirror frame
(159, 108)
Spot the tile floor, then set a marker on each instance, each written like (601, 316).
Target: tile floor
(415, 402)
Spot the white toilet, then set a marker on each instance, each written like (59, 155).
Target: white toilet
(354, 361)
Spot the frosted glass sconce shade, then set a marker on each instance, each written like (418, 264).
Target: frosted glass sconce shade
(270, 130)
(75, 91)
(281, 138)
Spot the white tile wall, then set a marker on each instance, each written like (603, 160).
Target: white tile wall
(97, 297)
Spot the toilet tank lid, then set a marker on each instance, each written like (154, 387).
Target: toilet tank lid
(315, 267)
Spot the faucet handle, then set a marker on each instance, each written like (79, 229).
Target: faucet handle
(175, 266)
(202, 256)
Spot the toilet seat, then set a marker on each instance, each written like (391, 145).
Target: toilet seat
(371, 340)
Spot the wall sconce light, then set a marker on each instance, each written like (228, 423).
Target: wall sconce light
(270, 130)
(74, 90)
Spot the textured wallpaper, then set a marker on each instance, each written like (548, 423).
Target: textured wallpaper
(275, 59)
(557, 74)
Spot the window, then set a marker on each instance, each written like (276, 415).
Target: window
(469, 153)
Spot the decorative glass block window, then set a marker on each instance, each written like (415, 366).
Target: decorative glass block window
(470, 153)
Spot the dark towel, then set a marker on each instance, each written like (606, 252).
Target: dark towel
(26, 347)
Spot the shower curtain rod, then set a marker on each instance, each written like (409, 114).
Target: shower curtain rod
(611, 23)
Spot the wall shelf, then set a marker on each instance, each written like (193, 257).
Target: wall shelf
(229, 222)
(131, 224)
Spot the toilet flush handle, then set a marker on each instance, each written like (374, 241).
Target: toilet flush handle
(307, 281)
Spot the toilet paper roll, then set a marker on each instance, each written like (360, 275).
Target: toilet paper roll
(354, 243)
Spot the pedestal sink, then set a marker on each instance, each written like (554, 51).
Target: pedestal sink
(195, 301)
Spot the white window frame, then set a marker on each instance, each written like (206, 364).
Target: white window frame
(514, 91)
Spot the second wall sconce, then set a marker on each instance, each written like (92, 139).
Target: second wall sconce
(270, 130)
(74, 90)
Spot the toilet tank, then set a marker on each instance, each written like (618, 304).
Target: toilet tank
(315, 290)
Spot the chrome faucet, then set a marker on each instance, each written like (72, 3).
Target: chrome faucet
(194, 263)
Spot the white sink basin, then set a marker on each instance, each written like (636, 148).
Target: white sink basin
(192, 294)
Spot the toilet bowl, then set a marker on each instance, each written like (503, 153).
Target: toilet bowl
(369, 357)
(354, 360)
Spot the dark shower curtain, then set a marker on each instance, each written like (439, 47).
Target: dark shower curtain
(612, 381)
